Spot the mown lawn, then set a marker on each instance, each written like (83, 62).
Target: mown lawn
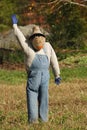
(67, 102)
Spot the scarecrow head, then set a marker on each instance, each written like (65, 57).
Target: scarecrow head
(37, 38)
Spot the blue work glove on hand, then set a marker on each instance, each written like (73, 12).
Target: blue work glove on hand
(58, 80)
(14, 19)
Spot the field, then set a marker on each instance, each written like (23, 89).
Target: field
(67, 102)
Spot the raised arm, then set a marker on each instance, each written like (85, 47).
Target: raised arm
(22, 40)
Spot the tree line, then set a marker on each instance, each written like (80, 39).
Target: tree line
(68, 24)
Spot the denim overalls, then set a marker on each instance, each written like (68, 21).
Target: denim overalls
(37, 89)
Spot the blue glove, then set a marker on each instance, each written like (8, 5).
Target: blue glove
(58, 80)
(14, 19)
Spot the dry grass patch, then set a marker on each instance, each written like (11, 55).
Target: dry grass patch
(67, 107)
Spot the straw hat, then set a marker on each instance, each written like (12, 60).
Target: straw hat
(36, 32)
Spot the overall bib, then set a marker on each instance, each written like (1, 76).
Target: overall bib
(37, 89)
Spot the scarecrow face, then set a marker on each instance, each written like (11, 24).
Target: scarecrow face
(38, 42)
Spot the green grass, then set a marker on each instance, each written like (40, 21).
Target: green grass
(69, 74)
(14, 77)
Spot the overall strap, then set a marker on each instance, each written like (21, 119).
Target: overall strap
(45, 51)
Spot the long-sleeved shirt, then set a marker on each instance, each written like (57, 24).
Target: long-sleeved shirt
(30, 52)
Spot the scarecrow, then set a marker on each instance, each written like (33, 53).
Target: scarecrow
(39, 54)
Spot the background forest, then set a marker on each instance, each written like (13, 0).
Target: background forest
(67, 25)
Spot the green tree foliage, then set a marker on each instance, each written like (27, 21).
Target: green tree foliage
(7, 8)
(67, 27)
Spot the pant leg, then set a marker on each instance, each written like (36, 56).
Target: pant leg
(32, 105)
(43, 100)
(33, 83)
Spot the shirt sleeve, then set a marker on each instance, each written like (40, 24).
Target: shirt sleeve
(54, 63)
(22, 40)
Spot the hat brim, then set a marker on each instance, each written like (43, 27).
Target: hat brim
(36, 34)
